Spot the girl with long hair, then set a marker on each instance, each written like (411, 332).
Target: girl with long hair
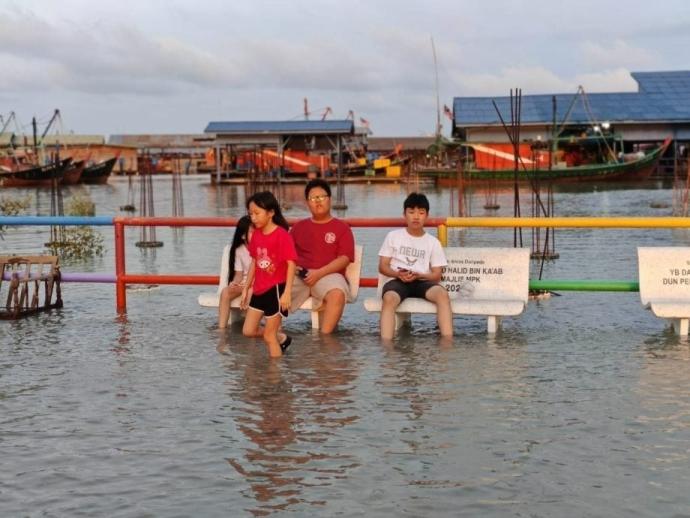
(240, 261)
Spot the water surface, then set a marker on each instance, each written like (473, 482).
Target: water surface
(579, 407)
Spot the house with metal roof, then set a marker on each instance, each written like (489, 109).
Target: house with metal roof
(308, 136)
(659, 109)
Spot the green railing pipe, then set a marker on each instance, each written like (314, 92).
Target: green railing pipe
(586, 285)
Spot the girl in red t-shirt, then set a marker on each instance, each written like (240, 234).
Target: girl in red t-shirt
(270, 274)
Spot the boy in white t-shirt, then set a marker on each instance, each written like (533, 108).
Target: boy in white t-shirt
(414, 260)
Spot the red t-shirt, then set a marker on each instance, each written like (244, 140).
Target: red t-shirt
(271, 253)
(318, 244)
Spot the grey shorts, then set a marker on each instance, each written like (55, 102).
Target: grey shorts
(332, 281)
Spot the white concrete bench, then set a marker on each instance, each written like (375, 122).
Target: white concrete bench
(665, 284)
(491, 282)
(212, 299)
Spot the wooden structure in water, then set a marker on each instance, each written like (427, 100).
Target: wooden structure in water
(24, 277)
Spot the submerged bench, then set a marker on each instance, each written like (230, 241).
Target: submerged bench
(352, 274)
(665, 284)
(23, 277)
(491, 282)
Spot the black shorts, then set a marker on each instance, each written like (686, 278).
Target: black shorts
(268, 302)
(408, 289)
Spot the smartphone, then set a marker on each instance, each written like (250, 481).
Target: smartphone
(403, 270)
(302, 272)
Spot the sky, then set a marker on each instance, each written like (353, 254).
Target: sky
(172, 66)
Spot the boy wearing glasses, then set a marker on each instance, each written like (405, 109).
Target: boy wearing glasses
(325, 247)
(414, 260)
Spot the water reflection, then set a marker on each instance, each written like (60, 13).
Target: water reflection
(288, 411)
(664, 409)
(124, 332)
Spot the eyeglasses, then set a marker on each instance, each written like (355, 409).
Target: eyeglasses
(318, 197)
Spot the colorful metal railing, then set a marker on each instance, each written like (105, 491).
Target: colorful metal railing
(122, 278)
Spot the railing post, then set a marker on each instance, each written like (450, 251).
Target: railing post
(120, 287)
(443, 235)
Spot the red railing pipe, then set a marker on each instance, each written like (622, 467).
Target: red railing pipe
(120, 284)
(138, 278)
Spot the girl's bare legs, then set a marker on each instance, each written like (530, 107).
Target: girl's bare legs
(229, 293)
(252, 328)
(271, 335)
(251, 324)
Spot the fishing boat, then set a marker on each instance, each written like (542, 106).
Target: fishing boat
(98, 173)
(73, 173)
(624, 167)
(34, 176)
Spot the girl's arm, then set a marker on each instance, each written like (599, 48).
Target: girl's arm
(245, 290)
(286, 297)
(237, 279)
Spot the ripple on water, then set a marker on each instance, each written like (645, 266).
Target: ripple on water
(576, 408)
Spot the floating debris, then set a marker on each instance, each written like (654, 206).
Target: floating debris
(540, 294)
(142, 287)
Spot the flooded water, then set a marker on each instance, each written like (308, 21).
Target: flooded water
(579, 407)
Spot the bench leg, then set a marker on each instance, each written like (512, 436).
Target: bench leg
(402, 319)
(315, 320)
(235, 316)
(680, 326)
(493, 324)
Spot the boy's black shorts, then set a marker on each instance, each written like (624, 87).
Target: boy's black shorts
(269, 301)
(408, 289)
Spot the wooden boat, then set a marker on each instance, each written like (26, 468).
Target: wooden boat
(37, 176)
(73, 173)
(98, 173)
(632, 168)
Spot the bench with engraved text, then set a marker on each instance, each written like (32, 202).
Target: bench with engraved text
(491, 282)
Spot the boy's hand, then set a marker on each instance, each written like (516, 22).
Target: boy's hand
(311, 277)
(406, 275)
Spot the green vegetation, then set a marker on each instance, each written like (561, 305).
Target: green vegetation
(78, 242)
(12, 207)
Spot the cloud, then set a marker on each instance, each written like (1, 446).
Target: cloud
(531, 79)
(617, 53)
(539, 80)
(615, 80)
(219, 59)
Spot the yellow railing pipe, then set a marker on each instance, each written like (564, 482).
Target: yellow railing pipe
(443, 234)
(573, 222)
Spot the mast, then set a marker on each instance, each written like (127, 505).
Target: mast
(56, 115)
(438, 102)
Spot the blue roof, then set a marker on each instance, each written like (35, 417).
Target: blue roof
(662, 96)
(331, 127)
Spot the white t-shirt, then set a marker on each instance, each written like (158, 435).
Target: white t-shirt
(417, 254)
(242, 263)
